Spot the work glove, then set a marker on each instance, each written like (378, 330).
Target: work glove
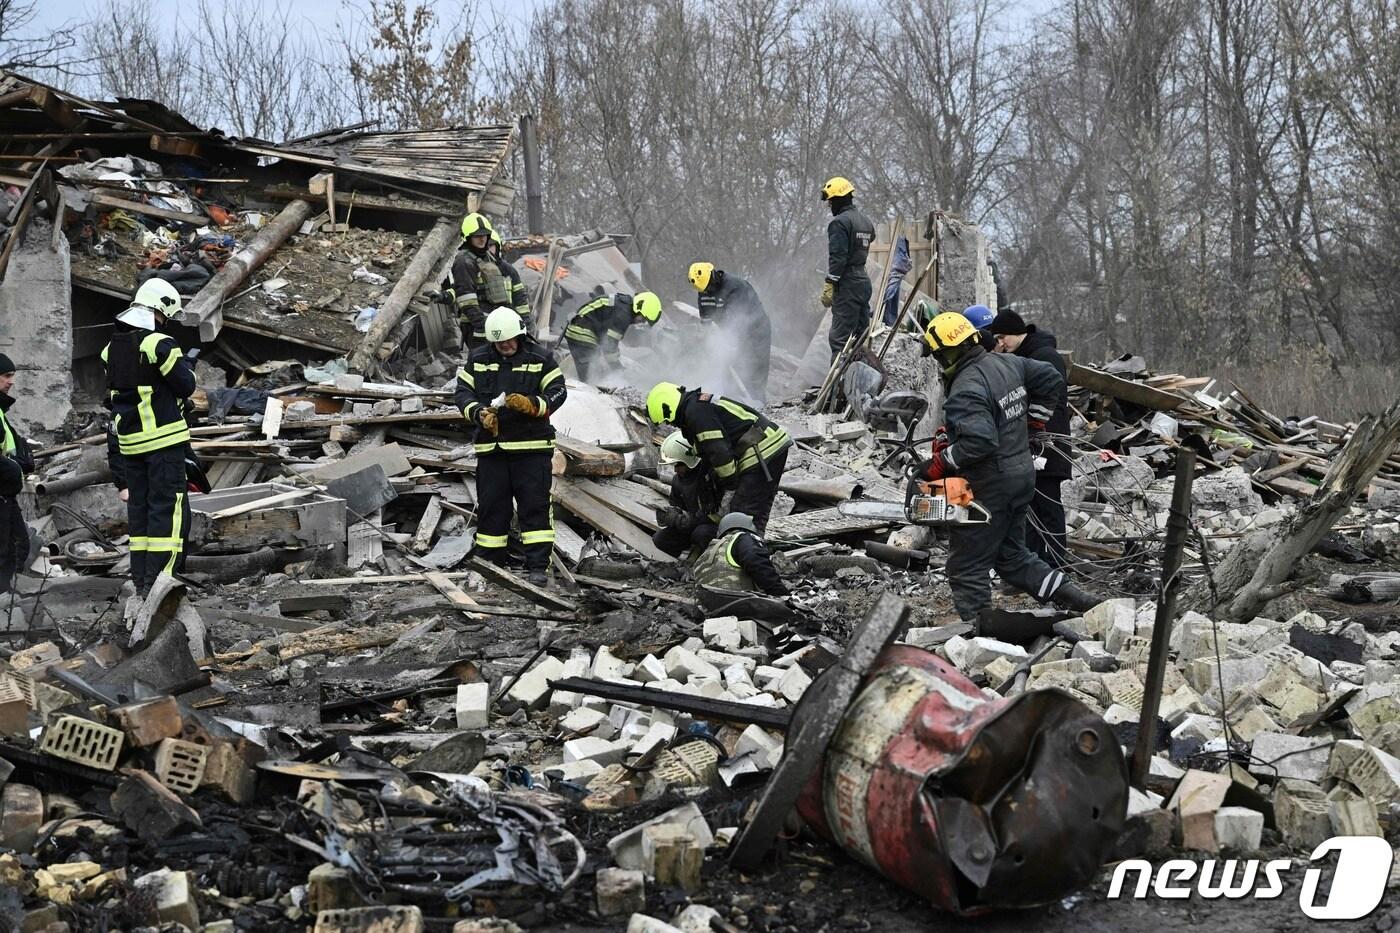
(523, 404)
(940, 440)
(933, 469)
(828, 294)
(1036, 427)
(670, 517)
(489, 421)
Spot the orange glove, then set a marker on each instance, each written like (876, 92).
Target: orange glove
(523, 404)
(956, 490)
(489, 420)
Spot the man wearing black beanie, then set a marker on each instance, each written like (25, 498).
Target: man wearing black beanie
(15, 461)
(1045, 532)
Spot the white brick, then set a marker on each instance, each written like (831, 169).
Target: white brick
(473, 706)
(723, 659)
(983, 651)
(1100, 619)
(1238, 828)
(723, 632)
(581, 719)
(532, 689)
(738, 674)
(794, 683)
(657, 734)
(607, 667)
(650, 670)
(767, 747)
(577, 772)
(682, 663)
(764, 676)
(591, 748)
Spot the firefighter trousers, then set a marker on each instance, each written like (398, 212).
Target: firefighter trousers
(1000, 544)
(1045, 533)
(754, 492)
(676, 540)
(14, 543)
(850, 313)
(517, 483)
(157, 513)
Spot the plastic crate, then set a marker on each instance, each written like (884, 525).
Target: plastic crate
(81, 740)
(180, 765)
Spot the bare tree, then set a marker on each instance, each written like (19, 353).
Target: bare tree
(24, 48)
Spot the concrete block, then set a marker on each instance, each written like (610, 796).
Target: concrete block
(1293, 755)
(1352, 814)
(1000, 671)
(738, 674)
(765, 676)
(1198, 797)
(1124, 688)
(1176, 705)
(594, 749)
(982, 651)
(1372, 771)
(626, 847)
(146, 722)
(794, 683)
(641, 923)
(532, 689)
(620, 891)
(576, 772)
(607, 667)
(1377, 722)
(1196, 726)
(14, 708)
(697, 919)
(672, 856)
(1302, 813)
(682, 664)
(174, 896)
(1094, 654)
(650, 670)
(723, 633)
(1118, 713)
(473, 706)
(1238, 828)
(1253, 722)
(226, 771)
(180, 765)
(331, 887)
(21, 815)
(766, 746)
(1099, 620)
(657, 735)
(584, 719)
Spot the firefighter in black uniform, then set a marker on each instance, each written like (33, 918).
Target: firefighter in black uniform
(15, 461)
(744, 332)
(599, 326)
(518, 298)
(992, 398)
(691, 521)
(148, 381)
(515, 441)
(1046, 533)
(737, 562)
(847, 288)
(746, 451)
(481, 283)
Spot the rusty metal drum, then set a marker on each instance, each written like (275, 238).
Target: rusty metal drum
(972, 802)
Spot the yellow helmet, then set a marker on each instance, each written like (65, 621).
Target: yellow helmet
(837, 187)
(648, 306)
(663, 401)
(949, 329)
(495, 238)
(676, 449)
(700, 275)
(475, 223)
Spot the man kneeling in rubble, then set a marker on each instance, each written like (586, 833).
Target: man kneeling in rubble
(993, 400)
(737, 567)
(689, 522)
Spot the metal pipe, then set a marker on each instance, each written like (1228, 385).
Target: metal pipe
(534, 197)
(73, 481)
(1178, 524)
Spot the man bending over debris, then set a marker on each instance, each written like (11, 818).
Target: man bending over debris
(508, 388)
(599, 326)
(148, 379)
(736, 564)
(992, 398)
(742, 330)
(15, 461)
(747, 451)
(689, 523)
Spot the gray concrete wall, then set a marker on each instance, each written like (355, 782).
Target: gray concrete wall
(36, 328)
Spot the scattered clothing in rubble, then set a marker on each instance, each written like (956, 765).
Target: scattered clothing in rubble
(243, 400)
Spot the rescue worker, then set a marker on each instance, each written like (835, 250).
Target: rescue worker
(595, 332)
(15, 461)
(480, 283)
(847, 289)
(1050, 451)
(992, 398)
(518, 297)
(735, 564)
(743, 330)
(981, 318)
(515, 442)
(690, 522)
(746, 451)
(148, 381)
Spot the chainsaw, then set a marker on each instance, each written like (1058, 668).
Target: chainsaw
(939, 504)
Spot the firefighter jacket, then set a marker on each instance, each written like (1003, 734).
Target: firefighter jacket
(532, 372)
(739, 562)
(696, 496)
(848, 238)
(731, 437)
(15, 456)
(990, 396)
(481, 283)
(602, 322)
(733, 302)
(1040, 345)
(148, 379)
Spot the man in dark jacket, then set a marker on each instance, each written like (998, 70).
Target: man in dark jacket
(746, 451)
(595, 332)
(515, 441)
(15, 461)
(733, 307)
(480, 282)
(847, 289)
(690, 522)
(1046, 532)
(993, 400)
(737, 562)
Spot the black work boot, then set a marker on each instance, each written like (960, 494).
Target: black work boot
(1069, 596)
(538, 578)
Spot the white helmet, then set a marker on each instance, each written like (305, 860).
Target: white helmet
(676, 449)
(158, 295)
(138, 316)
(503, 324)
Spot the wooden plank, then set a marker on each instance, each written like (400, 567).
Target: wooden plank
(258, 504)
(511, 582)
(1125, 389)
(422, 540)
(606, 520)
(617, 500)
(444, 585)
(110, 201)
(617, 586)
(586, 459)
